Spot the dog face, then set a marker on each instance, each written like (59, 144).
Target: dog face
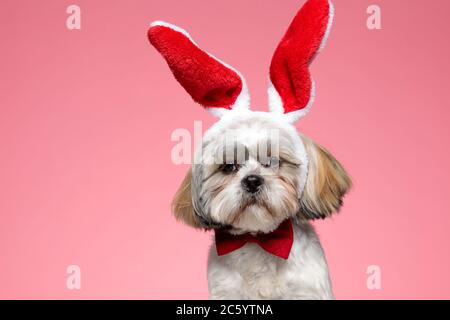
(251, 175)
(253, 183)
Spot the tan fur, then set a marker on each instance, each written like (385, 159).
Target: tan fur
(326, 185)
(182, 206)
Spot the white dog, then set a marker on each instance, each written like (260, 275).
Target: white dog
(255, 181)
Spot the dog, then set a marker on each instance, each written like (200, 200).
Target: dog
(255, 180)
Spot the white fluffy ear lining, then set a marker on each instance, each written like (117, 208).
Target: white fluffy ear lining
(212, 83)
(291, 87)
(276, 103)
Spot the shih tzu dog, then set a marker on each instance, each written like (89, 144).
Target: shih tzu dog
(255, 181)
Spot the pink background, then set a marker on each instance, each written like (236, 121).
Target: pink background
(86, 116)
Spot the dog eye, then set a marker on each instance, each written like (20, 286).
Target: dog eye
(272, 162)
(229, 168)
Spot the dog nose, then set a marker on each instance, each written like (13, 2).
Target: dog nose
(252, 183)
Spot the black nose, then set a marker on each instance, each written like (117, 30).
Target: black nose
(252, 183)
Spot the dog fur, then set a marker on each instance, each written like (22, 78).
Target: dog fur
(250, 272)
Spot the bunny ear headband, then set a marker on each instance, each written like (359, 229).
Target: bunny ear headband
(221, 89)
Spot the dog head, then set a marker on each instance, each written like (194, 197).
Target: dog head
(253, 170)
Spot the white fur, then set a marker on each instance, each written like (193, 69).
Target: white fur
(252, 273)
(275, 101)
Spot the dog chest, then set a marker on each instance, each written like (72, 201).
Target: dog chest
(263, 276)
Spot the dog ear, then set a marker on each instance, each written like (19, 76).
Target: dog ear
(182, 205)
(326, 184)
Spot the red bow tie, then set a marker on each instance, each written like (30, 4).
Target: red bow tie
(278, 242)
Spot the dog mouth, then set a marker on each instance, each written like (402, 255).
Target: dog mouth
(252, 200)
(249, 206)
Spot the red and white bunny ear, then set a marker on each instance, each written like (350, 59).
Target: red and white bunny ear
(215, 85)
(292, 90)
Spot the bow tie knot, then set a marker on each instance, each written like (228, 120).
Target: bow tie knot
(278, 242)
